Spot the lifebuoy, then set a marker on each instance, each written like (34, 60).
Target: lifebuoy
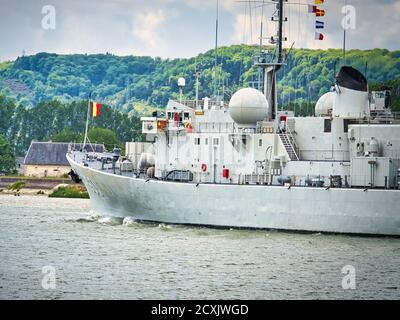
(203, 167)
(188, 127)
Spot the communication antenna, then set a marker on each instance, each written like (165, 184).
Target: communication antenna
(216, 51)
(197, 75)
(344, 38)
(261, 42)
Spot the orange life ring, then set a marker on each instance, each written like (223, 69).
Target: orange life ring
(203, 167)
(189, 127)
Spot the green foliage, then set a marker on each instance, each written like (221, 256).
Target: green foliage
(74, 191)
(104, 136)
(7, 108)
(16, 186)
(65, 123)
(50, 89)
(7, 156)
(67, 136)
(128, 83)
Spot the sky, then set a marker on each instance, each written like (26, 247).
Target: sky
(184, 28)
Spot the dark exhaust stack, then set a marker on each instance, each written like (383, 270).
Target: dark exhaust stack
(351, 78)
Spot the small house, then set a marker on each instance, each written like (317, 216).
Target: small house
(48, 159)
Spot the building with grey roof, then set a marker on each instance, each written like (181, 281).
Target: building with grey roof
(48, 159)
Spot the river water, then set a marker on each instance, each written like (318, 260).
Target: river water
(53, 249)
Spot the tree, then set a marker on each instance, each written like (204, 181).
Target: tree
(7, 108)
(104, 136)
(123, 81)
(67, 136)
(7, 156)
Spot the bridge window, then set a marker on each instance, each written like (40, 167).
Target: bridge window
(346, 123)
(215, 141)
(260, 143)
(327, 125)
(197, 141)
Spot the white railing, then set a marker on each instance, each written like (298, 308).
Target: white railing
(200, 103)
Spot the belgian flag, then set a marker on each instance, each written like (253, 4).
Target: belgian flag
(94, 110)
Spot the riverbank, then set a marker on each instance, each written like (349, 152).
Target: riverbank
(33, 183)
(51, 187)
(25, 192)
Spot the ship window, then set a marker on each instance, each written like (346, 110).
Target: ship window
(215, 141)
(170, 116)
(206, 141)
(186, 116)
(346, 123)
(327, 125)
(196, 141)
(260, 143)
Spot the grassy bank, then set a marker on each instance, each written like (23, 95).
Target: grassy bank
(72, 191)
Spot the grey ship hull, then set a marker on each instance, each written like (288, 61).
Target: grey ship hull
(251, 206)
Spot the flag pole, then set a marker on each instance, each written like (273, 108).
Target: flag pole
(87, 123)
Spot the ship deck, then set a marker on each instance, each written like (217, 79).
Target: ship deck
(93, 160)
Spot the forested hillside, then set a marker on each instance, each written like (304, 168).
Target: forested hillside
(53, 120)
(45, 96)
(135, 83)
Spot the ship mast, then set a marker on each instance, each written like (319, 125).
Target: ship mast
(216, 53)
(271, 62)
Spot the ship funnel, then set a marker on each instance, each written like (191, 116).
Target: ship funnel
(351, 95)
(351, 78)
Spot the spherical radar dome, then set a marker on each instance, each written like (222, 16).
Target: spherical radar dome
(324, 104)
(247, 106)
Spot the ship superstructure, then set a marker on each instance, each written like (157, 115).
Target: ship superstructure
(341, 146)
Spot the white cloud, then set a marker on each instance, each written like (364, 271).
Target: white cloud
(182, 28)
(147, 28)
(246, 30)
(228, 5)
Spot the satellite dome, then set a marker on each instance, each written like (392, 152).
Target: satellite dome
(181, 82)
(247, 106)
(324, 104)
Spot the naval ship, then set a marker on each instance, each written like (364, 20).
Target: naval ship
(246, 164)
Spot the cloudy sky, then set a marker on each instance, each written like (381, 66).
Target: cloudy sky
(182, 28)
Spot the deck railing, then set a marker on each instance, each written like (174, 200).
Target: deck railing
(201, 103)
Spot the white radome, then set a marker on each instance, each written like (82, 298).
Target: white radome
(324, 104)
(181, 82)
(247, 106)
